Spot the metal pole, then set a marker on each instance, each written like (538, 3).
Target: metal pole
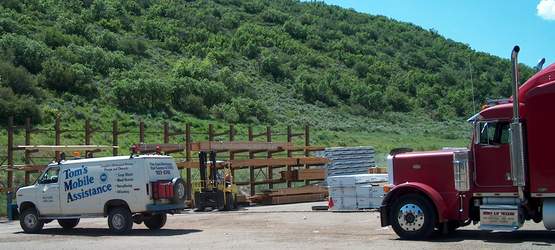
(87, 135)
(231, 154)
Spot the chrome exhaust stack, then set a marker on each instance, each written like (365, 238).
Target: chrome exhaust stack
(540, 64)
(516, 136)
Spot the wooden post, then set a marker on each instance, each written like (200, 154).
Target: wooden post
(58, 136)
(188, 158)
(87, 135)
(251, 168)
(210, 132)
(27, 153)
(231, 154)
(166, 132)
(289, 154)
(141, 132)
(10, 154)
(115, 134)
(306, 144)
(270, 174)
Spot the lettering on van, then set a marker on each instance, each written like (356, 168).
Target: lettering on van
(77, 182)
(161, 168)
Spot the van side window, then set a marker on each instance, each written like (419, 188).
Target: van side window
(50, 176)
(494, 133)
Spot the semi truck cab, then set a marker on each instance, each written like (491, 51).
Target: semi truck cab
(501, 180)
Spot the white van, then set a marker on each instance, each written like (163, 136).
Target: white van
(125, 189)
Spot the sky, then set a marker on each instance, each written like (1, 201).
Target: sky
(491, 26)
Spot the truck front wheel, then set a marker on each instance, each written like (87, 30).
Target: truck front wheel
(120, 220)
(413, 217)
(156, 221)
(68, 223)
(30, 222)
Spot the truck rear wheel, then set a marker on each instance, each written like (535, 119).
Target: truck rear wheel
(156, 221)
(413, 217)
(120, 220)
(68, 223)
(30, 222)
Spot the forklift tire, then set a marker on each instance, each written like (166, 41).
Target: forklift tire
(413, 217)
(120, 220)
(229, 203)
(68, 223)
(30, 222)
(155, 222)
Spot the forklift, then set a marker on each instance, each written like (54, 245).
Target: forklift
(215, 189)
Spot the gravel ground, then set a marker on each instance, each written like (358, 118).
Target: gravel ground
(269, 227)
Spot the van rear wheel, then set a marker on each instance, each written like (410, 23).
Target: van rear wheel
(30, 222)
(120, 220)
(156, 221)
(68, 223)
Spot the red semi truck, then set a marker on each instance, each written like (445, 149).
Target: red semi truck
(505, 177)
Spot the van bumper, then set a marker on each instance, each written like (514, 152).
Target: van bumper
(164, 207)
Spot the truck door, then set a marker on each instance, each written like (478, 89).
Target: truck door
(49, 192)
(492, 155)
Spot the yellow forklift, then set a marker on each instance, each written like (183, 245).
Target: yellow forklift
(215, 189)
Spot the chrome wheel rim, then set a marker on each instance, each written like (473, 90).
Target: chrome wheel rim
(118, 221)
(30, 220)
(410, 217)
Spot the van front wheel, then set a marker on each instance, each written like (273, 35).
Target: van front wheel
(156, 221)
(68, 223)
(30, 222)
(120, 220)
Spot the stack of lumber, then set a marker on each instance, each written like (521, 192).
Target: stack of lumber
(377, 170)
(291, 195)
(304, 174)
(312, 174)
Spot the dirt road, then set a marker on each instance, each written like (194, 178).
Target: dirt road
(270, 227)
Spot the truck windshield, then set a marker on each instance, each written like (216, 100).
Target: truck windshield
(494, 133)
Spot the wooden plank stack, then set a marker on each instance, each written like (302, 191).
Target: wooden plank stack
(291, 195)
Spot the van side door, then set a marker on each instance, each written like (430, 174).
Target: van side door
(49, 192)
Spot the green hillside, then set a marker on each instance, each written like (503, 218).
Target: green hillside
(355, 78)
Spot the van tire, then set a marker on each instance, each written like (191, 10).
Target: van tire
(68, 223)
(120, 220)
(156, 221)
(179, 190)
(30, 222)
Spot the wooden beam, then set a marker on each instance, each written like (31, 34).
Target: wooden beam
(60, 148)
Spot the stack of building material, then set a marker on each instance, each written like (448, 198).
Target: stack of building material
(291, 195)
(353, 192)
(348, 160)
(311, 174)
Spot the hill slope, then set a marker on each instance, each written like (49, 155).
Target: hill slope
(238, 61)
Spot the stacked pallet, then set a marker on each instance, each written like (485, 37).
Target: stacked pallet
(291, 195)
